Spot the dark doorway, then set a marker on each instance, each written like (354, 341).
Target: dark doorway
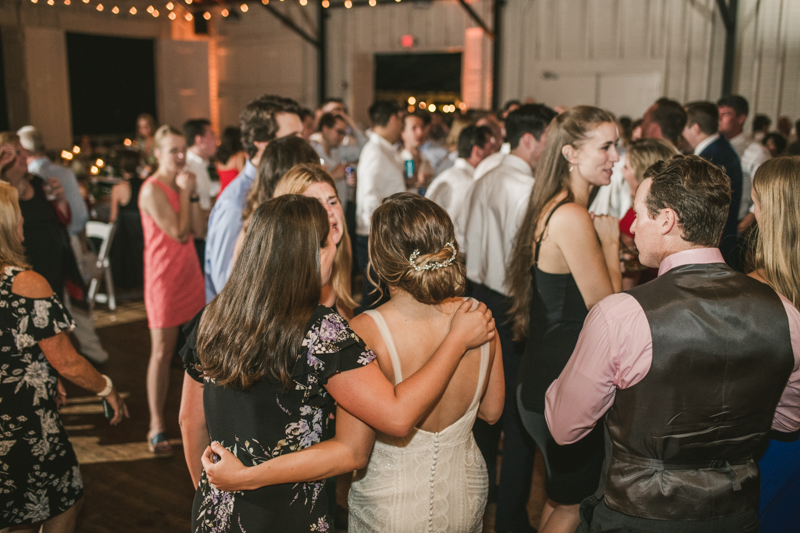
(3, 101)
(111, 81)
(426, 77)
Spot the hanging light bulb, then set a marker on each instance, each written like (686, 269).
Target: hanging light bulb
(51, 2)
(373, 3)
(172, 15)
(34, 1)
(188, 2)
(150, 9)
(265, 2)
(348, 4)
(244, 8)
(115, 10)
(155, 13)
(188, 17)
(207, 15)
(99, 7)
(170, 6)
(303, 2)
(326, 4)
(67, 2)
(132, 11)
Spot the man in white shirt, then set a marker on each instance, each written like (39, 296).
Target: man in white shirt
(494, 210)
(413, 135)
(332, 131)
(201, 142)
(380, 174)
(733, 111)
(450, 188)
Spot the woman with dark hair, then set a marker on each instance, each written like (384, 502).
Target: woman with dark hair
(273, 361)
(41, 482)
(127, 247)
(563, 262)
(231, 156)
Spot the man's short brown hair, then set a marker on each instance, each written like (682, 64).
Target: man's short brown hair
(705, 115)
(699, 193)
(257, 120)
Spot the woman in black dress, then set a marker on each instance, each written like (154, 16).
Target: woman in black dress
(127, 248)
(273, 360)
(40, 482)
(565, 260)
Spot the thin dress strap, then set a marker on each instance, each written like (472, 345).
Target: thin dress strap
(546, 222)
(482, 376)
(387, 338)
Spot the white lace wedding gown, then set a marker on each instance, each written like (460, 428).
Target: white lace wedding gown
(426, 481)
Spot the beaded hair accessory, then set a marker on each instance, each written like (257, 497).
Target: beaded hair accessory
(433, 265)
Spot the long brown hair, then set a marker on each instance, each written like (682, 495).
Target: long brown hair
(296, 181)
(254, 328)
(552, 178)
(413, 246)
(12, 253)
(776, 187)
(279, 156)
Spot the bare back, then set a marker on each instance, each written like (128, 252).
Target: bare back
(417, 330)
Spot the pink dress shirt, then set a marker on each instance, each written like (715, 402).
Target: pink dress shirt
(615, 350)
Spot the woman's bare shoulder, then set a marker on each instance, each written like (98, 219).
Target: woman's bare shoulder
(29, 284)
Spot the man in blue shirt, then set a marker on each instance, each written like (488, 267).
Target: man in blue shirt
(31, 140)
(263, 120)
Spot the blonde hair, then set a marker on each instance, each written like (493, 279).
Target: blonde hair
(412, 246)
(163, 132)
(645, 152)
(776, 187)
(12, 253)
(296, 181)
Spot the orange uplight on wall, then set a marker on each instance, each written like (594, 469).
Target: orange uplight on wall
(407, 41)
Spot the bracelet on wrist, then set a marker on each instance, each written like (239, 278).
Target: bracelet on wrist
(109, 387)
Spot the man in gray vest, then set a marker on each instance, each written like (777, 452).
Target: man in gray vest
(690, 370)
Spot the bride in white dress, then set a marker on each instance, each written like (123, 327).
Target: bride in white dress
(432, 478)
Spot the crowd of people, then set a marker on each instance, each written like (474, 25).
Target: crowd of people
(523, 275)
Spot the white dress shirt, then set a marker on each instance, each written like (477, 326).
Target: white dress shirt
(490, 163)
(755, 154)
(450, 189)
(495, 207)
(380, 174)
(615, 198)
(199, 167)
(740, 143)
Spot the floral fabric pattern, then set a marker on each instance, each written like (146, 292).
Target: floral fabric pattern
(39, 474)
(268, 421)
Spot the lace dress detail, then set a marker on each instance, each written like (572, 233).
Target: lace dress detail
(425, 481)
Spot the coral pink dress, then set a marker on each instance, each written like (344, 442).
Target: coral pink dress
(173, 281)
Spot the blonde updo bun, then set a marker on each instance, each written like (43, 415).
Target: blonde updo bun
(405, 223)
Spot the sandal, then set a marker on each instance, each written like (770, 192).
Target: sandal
(159, 445)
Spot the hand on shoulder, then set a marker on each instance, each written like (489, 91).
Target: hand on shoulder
(29, 284)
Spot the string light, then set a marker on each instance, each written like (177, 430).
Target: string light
(348, 4)
(411, 109)
(115, 10)
(155, 13)
(188, 17)
(188, 2)
(150, 9)
(100, 163)
(431, 108)
(172, 15)
(66, 155)
(51, 2)
(132, 11)
(127, 142)
(423, 105)
(207, 15)
(373, 3)
(170, 6)
(244, 8)
(303, 2)
(94, 170)
(99, 7)
(412, 100)
(67, 2)
(224, 13)
(326, 4)
(76, 149)
(85, 1)
(34, 1)
(265, 2)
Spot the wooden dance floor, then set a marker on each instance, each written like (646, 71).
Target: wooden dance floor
(127, 489)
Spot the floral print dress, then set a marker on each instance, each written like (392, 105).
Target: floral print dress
(39, 475)
(265, 422)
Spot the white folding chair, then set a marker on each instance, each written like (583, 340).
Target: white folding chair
(105, 234)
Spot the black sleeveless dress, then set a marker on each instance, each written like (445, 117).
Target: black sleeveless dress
(557, 313)
(127, 248)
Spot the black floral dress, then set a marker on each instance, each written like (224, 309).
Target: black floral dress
(265, 422)
(39, 475)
